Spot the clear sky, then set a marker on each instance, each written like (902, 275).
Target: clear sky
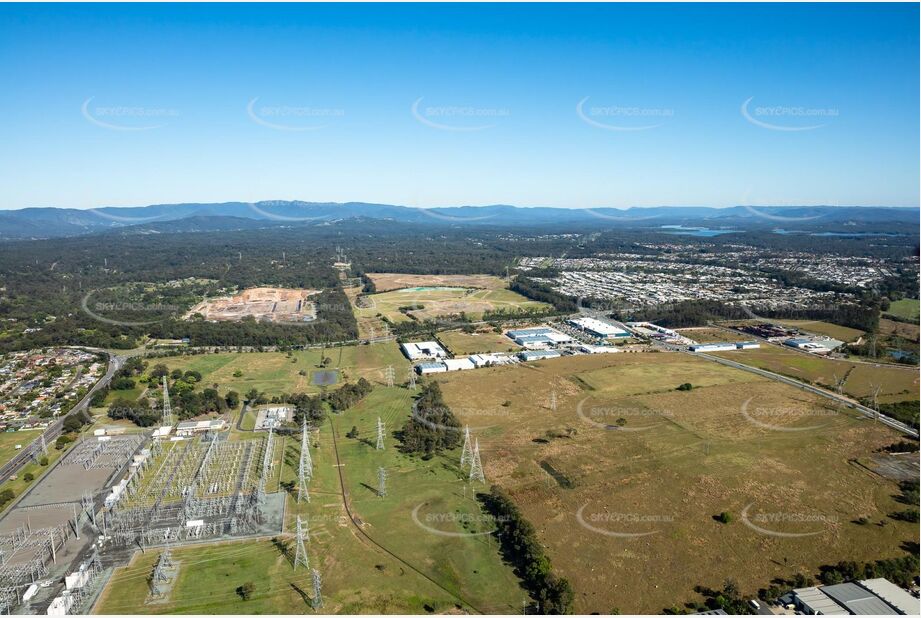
(437, 105)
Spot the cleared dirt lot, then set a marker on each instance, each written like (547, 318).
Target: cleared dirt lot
(623, 479)
(273, 304)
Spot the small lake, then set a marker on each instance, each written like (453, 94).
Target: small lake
(705, 232)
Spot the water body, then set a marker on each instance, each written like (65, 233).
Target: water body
(705, 232)
(839, 234)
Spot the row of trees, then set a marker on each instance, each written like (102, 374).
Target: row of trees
(432, 426)
(521, 547)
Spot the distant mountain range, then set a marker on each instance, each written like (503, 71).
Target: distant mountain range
(35, 223)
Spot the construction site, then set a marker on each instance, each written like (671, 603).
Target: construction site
(270, 304)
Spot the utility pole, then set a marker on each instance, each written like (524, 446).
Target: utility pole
(381, 482)
(300, 554)
(476, 467)
(380, 434)
(467, 452)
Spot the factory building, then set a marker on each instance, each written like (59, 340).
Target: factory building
(432, 367)
(598, 329)
(190, 428)
(458, 364)
(487, 360)
(532, 355)
(423, 350)
(723, 347)
(878, 597)
(538, 337)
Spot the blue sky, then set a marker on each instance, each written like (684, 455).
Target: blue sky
(574, 106)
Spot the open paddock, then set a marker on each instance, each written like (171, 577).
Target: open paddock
(623, 476)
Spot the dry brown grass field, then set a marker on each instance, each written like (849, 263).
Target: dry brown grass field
(384, 282)
(713, 335)
(628, 514)
(897, 383)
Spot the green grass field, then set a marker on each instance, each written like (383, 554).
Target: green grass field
(416, 572)
(440, 302)
(907, 308)
(462, 344)
(896, 383)
(835, 331)
(622, 507)
(270, 372)
(9, 440)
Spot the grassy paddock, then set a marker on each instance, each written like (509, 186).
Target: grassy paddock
(896, 383)
(681, 458)
(461, 344)
(907, 308)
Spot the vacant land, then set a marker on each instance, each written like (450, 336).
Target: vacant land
(401, 568)
(423, 303)
(273, 304)
(9, 440)
(384, 282)
(618, 508)
(896, 383)
(460, 343)
(835, 331)
(713, 335)
(907, 308)
(270, 372)
(899, 329)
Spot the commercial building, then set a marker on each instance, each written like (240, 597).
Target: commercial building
(423, 350)
(598, 329)
(532, 355)
(723, 347)
(426, 368)
(190, 428)
(538, 337)
(458, 364)
(493, 358)
(878, 597)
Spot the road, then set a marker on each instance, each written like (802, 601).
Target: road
(52, 432)
(866, 411)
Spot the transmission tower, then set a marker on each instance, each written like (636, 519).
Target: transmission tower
(88, 506)
(412, 379)
(317, 601)
(305, 467)
(388, 375)
(300, 554)
(381, 482)
(380, 434)
(467, 452)
(476, 467)
(167, 418)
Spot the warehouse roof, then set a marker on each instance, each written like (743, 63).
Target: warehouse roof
(858, 599)
(892, 594)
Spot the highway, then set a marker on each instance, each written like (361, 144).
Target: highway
(52, 432)
(866, 411)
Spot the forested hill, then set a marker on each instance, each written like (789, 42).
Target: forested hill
(32, 223)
